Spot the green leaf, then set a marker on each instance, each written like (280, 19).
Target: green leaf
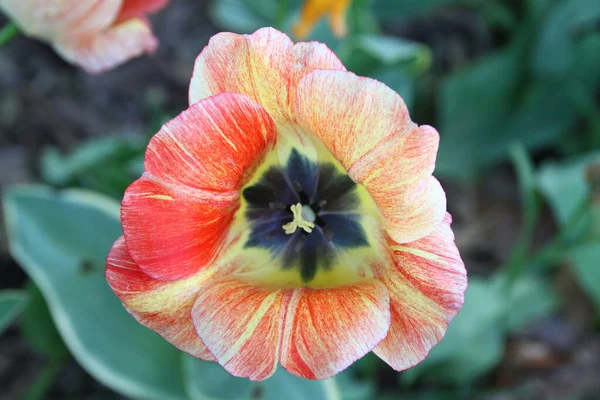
(59, 169)
(11, 303)
(530, 298)
(365, 54)
(240, 16)
(61, 240)
(564, 186)
(38, 328)
(487, 107)
(209, 381)
(107, 164)
(394, 9)
(555, 52)
(473, 102)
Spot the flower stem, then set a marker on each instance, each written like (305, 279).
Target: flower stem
(526, 175)
(8, 32)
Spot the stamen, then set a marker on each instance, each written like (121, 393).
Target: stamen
(301, 220)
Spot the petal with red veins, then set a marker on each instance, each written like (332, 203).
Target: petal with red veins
(177, 215)
(266, 66)
(110, 47)
(165, 307)
(139, 8)
(426, 285)
(366, 126)
(49, 20)
(326, 330)
(240, 325)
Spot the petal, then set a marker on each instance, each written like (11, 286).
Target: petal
(164, 307)
(176, 217)
(240, 325)
(139, 8)
(366, 126)
(108, 48)
(327, 330)
(266, 66)
(426, 285)
(49, 20)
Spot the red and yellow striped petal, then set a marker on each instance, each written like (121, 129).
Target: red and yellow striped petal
(50, 20)
(240, 325)
(176, 216)
(366, 126)
(110, 47)
(165, 307)
(327, 330)
(426, 284)
(266, 66)
(139, 8)
(313, 333)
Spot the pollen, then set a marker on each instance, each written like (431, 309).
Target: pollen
(304, 218)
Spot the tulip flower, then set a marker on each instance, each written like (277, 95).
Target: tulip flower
(289, 216)
(94, 34)
(314, 10)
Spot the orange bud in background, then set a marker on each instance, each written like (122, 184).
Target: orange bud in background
(314, 10)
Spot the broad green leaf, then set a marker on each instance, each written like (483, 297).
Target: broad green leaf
(106, 164)
(394, 9)
(241, 16)
(555, 52)
(489, 106)
(530, 298)
(473, 103)
(38, 328)
(60, 169)
(366, 54)
(61, 240)
(209, 381)
(564, 186)
(11, 303)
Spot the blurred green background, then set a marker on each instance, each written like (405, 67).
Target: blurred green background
(512, 86)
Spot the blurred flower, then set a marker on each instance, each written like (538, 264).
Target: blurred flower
(289, 216)
(94, 34)
(314, 10)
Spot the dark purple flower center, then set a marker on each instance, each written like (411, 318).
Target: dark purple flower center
(329, 200)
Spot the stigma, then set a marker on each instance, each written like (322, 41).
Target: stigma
(304, 218)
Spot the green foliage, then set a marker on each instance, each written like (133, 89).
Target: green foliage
(565, 187)
(205, 380)
(107, 164)
(474, 342)
(11, 303)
